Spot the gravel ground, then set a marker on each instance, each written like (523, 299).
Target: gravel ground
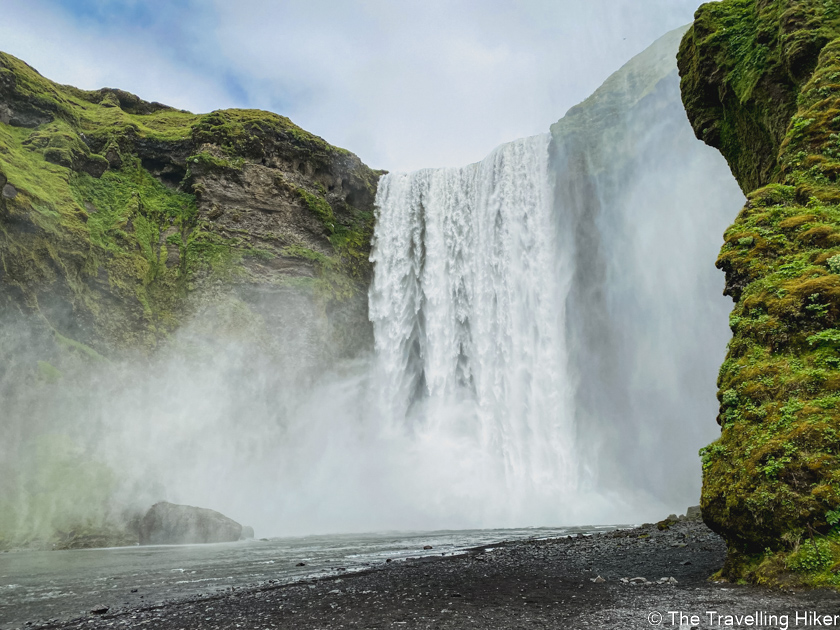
(528, 584)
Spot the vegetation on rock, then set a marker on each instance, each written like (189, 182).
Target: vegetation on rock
(120, 221)
(112, 199)
(761, 82)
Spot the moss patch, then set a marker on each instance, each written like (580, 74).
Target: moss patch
(107, 216)
(761, 82)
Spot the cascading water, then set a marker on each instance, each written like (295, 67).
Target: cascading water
(468, 305)
(548, 324)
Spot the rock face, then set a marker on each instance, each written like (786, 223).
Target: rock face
(122, 219)
(760, 82)
(130, 231)
(171, 524)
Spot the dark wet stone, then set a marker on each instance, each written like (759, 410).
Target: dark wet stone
(171, 524)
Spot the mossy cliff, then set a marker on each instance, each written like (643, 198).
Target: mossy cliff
(761, 82)
(116, 214)
(132, 233)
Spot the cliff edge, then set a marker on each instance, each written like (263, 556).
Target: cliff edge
(760, 81)
(138, 240)
(117, 214)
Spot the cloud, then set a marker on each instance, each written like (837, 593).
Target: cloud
(85, 50)
(403, 84)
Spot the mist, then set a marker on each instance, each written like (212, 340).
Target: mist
(578, 393)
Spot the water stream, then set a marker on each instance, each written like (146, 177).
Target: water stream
(468, 305)
(63, 585)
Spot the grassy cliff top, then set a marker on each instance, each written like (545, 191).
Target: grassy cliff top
(32, 100)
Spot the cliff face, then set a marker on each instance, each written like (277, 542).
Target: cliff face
(118, 215)
(148, 250)
(761, 82)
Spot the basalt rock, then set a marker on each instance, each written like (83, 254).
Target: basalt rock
(171, 524)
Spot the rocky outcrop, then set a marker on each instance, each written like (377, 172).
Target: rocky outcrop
(118, 217)
(131, 231)
(171, 524)
(761, 82)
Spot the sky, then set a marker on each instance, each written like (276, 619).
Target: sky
(404, 84)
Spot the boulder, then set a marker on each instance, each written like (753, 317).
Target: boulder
(693, 513)
(171, 524)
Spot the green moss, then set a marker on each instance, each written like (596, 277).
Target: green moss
(742, 65)
(320, 208)
(761, 82)
(352, 240)
(59, 492)
(297, 251)
(333, 282)
(244, 132)
(810, 560)
(212, 163)
(48, 372)
(36, 180)
(215, 255)
(79, 349)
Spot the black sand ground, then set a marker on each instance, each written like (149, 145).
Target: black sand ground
(545, 584)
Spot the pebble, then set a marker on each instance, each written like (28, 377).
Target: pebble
(544, 584)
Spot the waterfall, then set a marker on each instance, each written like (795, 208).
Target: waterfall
(468, 305)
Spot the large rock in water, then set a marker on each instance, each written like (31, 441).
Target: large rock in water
(171, 524)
